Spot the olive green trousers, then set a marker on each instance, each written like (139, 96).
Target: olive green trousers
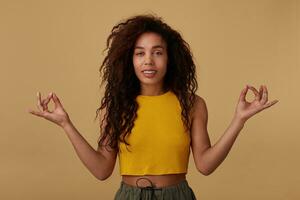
(180, 191)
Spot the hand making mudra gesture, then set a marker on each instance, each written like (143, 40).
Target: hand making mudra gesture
(244, 110)
(58, 116)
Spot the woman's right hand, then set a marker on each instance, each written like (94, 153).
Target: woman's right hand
(59, 116)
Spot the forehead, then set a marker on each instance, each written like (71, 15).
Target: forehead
(150, 40)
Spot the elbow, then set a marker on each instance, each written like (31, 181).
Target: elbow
(104, 173)
(204, 171)
(102, 178)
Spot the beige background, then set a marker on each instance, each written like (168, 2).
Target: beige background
(56, 46)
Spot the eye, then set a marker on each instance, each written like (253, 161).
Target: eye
(159, 53)
(140, 53)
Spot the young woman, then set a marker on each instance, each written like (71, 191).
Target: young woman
(150, 115)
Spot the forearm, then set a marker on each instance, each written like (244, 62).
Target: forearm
(93, 160)
(215, 155)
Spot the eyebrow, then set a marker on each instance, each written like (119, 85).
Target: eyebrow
(154, 47)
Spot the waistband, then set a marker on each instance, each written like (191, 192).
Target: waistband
(152, 192)
(181, 184)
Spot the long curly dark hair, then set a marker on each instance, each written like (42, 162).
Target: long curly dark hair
(123, 86)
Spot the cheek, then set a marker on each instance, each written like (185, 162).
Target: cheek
(136, 62)
(163, 64)
(163, 60)
(136, 66)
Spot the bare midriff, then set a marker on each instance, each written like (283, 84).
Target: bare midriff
(157, 180)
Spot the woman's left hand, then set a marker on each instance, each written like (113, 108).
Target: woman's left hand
(245, 110)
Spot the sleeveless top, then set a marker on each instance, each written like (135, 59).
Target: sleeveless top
(158, 143)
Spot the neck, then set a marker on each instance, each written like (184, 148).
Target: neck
(153, 91)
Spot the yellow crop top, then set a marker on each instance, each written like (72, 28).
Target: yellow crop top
(158, 143)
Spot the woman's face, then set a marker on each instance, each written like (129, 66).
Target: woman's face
(150, 53)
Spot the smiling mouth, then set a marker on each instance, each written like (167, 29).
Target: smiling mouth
(149, 71)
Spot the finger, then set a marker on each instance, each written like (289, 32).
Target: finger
(39, 106)
(260, 90)
(56, 100)
(264, 98)
(46, 101)
(257, 97)
(243, 94)
(269, 104)
(37, 113)
(266, 92)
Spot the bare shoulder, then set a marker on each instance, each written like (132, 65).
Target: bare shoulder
(199, 109)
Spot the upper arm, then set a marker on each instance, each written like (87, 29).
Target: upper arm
(109, 154)
(199, 135)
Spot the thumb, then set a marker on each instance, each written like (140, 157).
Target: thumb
(56, 100)
(243, 94)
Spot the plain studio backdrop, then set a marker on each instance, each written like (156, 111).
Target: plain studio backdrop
(55, 46)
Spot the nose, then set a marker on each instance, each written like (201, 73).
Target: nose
(148, 60)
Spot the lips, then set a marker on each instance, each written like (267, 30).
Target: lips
(149, 69)
(150, 74)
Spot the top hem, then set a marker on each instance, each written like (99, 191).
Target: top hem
(157, 173)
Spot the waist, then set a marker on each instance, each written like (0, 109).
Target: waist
(154, 180)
